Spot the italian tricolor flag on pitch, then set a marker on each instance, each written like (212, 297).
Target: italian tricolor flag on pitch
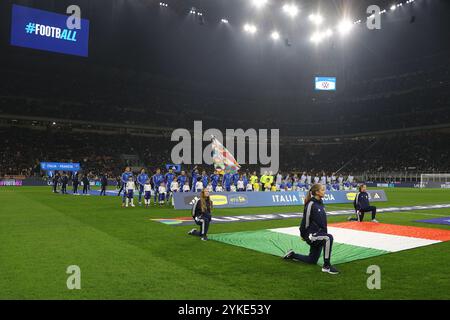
(352, 240)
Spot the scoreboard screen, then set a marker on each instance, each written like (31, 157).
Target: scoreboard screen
(325, 83)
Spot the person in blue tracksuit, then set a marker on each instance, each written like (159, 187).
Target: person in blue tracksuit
(205, 179)
(157, 179)
(201, 213)
(141, 180)
(124, 179)
(75, 183)
(182, 180)
(313, 230)
(104, 184)
(235, 178)
(227, 181)
(194, 177)
(362, 205)
(215, 177)
(245, 179)
(168, 179)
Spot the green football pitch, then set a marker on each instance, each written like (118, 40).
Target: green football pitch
(122, 254)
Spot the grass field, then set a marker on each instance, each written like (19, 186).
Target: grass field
(124, 255)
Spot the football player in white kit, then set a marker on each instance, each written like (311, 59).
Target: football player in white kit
(240, 185)
(199, 186)
(147, 193)
(130, 187)
(162, 191)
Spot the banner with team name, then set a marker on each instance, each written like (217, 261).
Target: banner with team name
(184, 200)
(60, 166)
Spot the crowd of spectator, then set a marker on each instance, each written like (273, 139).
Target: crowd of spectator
(420, 97)
(23, 149)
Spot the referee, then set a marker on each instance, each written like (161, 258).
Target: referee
(313, 230)
(201, 213)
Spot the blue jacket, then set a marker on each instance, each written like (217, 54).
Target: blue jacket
(361, 201)
(142, 178)
(126, 176)
(314, 219)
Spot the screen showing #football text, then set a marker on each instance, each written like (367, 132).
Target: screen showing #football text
(44, 30)
(325, 83)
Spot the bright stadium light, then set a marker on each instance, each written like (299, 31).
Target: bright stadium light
(317, 19)
(393, 7)
(163, 4)
(223, 20)
(275, 35)
(329, 32)
(344, 27)
(259, 3)
(317, 37)
(291, 10)
(250, 28)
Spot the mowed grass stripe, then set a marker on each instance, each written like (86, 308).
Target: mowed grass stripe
(40, 242)
(184, 267)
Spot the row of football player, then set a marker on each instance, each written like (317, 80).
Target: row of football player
(235, 182)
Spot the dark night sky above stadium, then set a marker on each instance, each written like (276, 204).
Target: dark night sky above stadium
(168, 42)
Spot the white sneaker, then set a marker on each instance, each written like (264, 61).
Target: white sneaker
(375, 220)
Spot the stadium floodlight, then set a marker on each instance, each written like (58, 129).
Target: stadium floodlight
(223, 20)
(317, 19)
(259, 3)
(250, 28)
(344, 27)
(317, 37)
(328, 32)
(393, 7)
(275, 35)
(291, 10)
(163, 4)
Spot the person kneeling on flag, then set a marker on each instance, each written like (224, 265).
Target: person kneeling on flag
(313, 230)
(201, 213)
(362, 205)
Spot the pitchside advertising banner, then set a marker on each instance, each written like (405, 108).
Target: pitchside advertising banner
(44, 30)
(183, 200)
(59, 166)
(325, 83)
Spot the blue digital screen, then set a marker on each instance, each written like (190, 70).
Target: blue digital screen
(44, 30)
(60, 166)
